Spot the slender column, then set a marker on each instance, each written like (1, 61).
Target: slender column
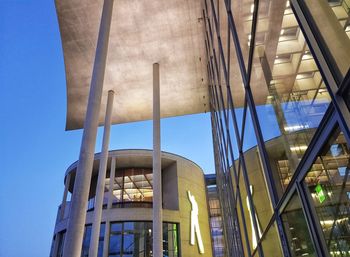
(105, 251)
(76, 223)
(157, 176)
(111, 184)
(100, 187)
(109, 206)
(64, 200)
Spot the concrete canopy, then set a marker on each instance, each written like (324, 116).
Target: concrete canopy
(142, 32)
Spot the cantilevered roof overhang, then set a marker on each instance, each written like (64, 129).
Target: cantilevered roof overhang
(142, 32)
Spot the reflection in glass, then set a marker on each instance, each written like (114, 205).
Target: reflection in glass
(296, 230)
(332, 18)
(243, 17)
(86, 241)
(270, 243)
(329, 186)
(285, 79)
(341, 9)
(257, 187)
(135, 239)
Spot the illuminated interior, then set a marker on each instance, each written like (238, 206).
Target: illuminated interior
(132, 185)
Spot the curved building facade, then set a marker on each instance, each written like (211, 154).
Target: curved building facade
(126, 223)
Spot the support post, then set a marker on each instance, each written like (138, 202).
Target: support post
(100, 187)
(111, 183)
(64, 200)
(109, 206)
(157, 176)
(76, 222)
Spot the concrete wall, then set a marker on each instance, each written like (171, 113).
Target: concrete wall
(191, 178)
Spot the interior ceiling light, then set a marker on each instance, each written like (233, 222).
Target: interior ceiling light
(298, 148)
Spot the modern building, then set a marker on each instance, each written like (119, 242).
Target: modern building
(275, 77)
(215, 216)
(126, 222)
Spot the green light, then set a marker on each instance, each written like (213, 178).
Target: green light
(320, 193)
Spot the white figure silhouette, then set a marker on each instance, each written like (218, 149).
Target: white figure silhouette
(254, 239)
(194, 223)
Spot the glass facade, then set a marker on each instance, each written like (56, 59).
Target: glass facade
(128, 239)
(135, 239)
(279, 94)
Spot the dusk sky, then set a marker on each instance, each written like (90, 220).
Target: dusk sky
(35, 148)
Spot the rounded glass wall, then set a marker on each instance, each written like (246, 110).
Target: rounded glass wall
(135, 239)
(132, 188)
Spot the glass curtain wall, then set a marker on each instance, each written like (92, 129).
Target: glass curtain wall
(135, 239)
(279, 85)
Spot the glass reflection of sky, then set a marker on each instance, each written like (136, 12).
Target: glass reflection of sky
(298, 115)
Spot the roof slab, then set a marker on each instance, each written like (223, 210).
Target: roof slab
(142, 32)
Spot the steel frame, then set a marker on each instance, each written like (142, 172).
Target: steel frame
(223, 115)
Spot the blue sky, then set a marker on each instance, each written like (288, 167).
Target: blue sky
(35, 149)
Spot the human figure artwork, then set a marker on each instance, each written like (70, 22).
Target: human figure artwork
(194, 223)
(254, 239)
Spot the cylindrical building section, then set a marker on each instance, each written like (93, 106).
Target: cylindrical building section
(129, 218)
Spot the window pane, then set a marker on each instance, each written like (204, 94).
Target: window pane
(333, 21)
(329, 186)
(243, 16)
(296, 229)
(115, 244)
(86, 241)
(288, 88)
(135, 239)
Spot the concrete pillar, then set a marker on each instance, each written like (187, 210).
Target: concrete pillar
(157, 176)
(76, 223)
(111, 183)
(100, 187)
(109, 206)
(64, 200)
(105, 251)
